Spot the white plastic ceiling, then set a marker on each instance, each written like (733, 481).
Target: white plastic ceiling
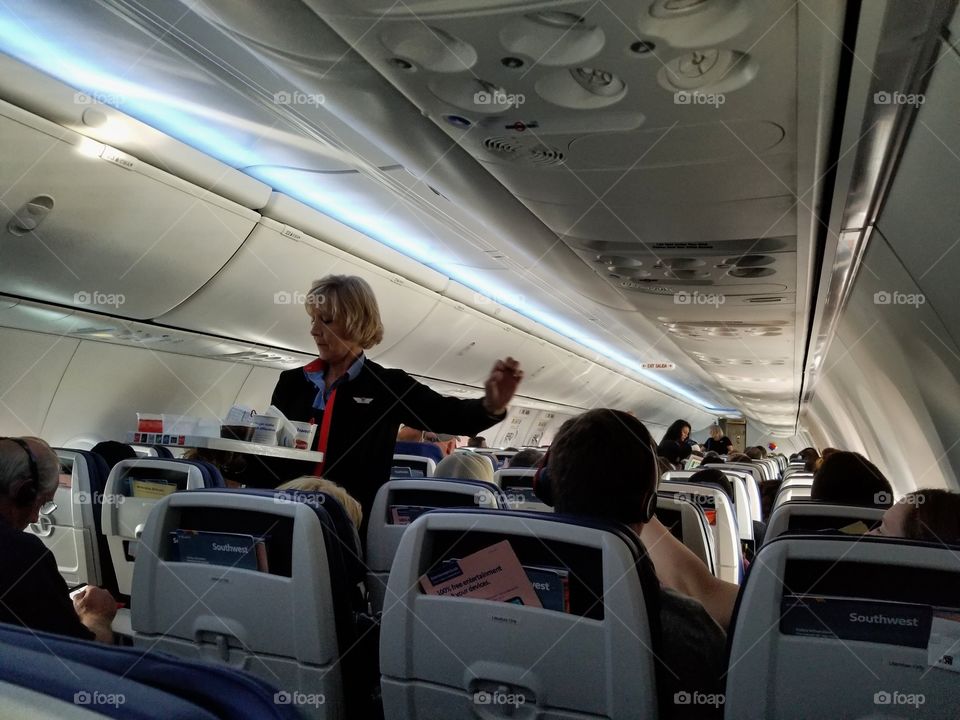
(697, 196)
(252, 297)
(688, 209)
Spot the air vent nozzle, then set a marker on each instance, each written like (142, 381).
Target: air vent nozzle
(523, 152)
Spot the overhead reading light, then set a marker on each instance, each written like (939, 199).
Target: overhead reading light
(182, 121)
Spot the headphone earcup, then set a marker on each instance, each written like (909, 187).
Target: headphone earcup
(26, 495)
(541, 485)
(651, 508)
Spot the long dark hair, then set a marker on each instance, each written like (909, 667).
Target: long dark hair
(673, 432)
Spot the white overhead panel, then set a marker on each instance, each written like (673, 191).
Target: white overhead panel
(383, 204)
(84, 224)
(455, 342)
(90, 115)
(292, 212)
(29, 374)
(82, 325)
(107, 383)
(658, 140)
(259, 296)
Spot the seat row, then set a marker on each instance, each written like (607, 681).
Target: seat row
(870, 609)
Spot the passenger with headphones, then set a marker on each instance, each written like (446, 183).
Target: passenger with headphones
(603, 464)
(32, 592)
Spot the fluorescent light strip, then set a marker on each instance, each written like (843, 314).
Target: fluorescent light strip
(173, 116)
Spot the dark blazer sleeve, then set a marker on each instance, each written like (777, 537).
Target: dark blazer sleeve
(422, 407)
(294, 395)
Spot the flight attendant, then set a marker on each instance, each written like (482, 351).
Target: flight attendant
(358, 404)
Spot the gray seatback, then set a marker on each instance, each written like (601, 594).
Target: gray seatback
(688, 524)
(125, 515)
(812, 515)
(70, 531)
(725, 530)
(278, 624)
(837, 627)
(384, 530)
(454, 657)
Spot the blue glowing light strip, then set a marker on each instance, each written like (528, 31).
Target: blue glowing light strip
(168, 115)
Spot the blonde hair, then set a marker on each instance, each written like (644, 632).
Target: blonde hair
(350, 299)
(465, 465)
(715, 432)
(311, 483)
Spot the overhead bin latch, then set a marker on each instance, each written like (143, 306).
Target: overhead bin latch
(28, 216)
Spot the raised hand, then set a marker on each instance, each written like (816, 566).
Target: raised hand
(501, 385)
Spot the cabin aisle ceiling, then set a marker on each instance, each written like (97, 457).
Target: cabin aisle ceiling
(627, 171)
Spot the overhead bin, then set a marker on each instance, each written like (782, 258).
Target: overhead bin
(35, 91)
(292, 212)
(259, 295)
(468, 344)
(85, 225)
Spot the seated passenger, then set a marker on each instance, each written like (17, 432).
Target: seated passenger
(411, 441)
(113, 452)
(32, 592)
(231, 465)
(714, 477)
(311, 483)
(407, 433)
(931, 515)
(754, 453)
(738, 457)
(447, 443)
(664, 465)
(525, 459)
(848, 478)
(602, 464)
(477, 442)
(809, 456)
(674, 445)
(465, 465)
(711, 457)
(827, 452)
